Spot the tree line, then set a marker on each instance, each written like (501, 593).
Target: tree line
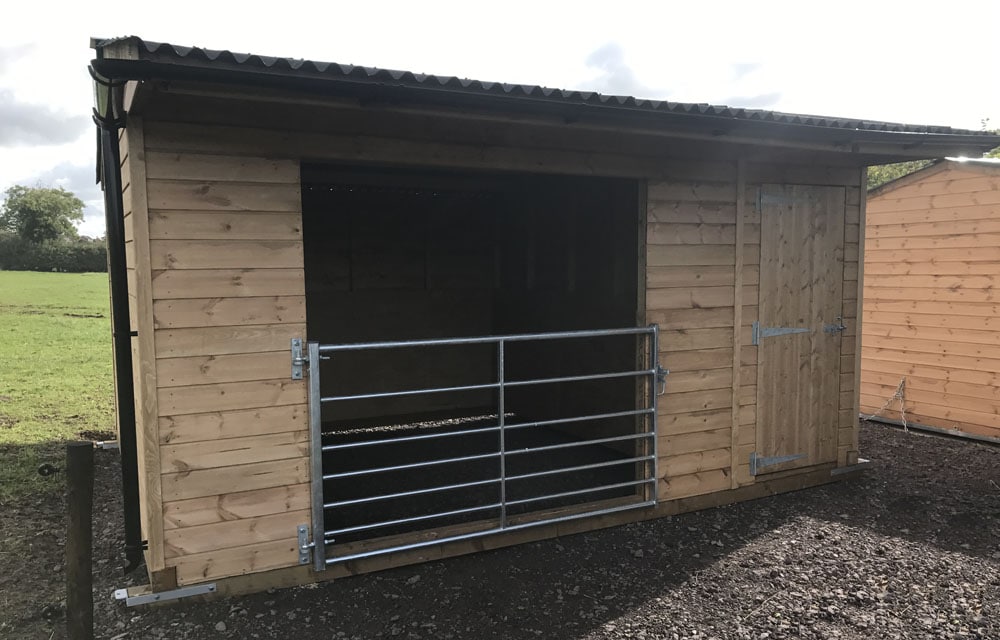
(37, 232)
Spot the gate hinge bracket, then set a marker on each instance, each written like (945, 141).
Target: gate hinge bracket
(758, 332)
(758, 462)
(661, 379)
(306, 545)
(299, 358)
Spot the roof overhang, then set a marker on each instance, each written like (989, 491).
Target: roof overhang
(857, 142)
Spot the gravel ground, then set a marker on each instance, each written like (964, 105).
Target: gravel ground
(910, 550)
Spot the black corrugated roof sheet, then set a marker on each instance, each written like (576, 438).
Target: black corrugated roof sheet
(294, 67)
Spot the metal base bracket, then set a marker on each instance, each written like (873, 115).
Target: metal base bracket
(862, 464)
(758, 462)
(164, 596)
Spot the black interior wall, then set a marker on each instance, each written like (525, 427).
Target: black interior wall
(394, 255)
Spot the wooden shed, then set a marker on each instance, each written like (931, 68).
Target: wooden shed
(375, 317)
(931, 340)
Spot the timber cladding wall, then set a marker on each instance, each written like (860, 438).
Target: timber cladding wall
(932, 265)
(216, 217)
(228, 426)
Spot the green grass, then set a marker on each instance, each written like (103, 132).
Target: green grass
(55, 372)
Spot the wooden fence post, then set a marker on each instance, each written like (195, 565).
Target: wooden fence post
(79, 540)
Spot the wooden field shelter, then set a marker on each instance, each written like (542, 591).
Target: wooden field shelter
(931, 340)
(377, 318)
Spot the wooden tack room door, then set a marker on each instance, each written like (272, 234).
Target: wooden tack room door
(799, 329)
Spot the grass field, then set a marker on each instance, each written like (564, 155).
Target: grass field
(55, 372)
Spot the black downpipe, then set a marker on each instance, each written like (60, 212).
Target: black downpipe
(109, 124)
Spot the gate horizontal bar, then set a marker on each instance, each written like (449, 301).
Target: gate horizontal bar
(580, 443)
(413, 465)
(423, 436)
(559, 335)
(595, 416)
(566, 494)
(465, 432)
(429, 516)
(595, 376)
(582, 467)
(415, 492)
(488, 532)
(411, 392)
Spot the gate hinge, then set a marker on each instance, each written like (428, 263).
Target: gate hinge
(306, 545)
(299, 359)
(758, 332)
(661, 379)
(758, 462)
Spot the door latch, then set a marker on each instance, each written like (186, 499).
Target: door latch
(837, 327)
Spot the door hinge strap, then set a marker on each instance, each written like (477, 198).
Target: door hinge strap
(758, 462)
(759, 332)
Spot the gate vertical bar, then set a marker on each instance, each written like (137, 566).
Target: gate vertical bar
(501, 401)
(654, 365)
(316, 460)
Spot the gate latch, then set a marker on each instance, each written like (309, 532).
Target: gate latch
(838, 327)
(661, 378)
(299, 359)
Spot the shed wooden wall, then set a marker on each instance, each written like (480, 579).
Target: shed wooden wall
(225, 437)
(932, 267)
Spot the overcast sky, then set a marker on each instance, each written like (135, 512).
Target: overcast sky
(885, 60)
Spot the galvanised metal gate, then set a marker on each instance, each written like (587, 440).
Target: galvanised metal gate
(642, 460)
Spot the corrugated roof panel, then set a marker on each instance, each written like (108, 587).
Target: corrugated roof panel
(308, 68)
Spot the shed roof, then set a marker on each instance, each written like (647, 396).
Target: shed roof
(132, 57)
(987, 166)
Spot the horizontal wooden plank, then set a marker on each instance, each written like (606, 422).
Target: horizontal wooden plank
(232, 424)
(235, 506)
(903, 353)
(689, 297)
(226, 254)
(917, 216)
(695, 339)
(245, 477)
(946, 182)
(224, 563)
(953, 241)
(943, 334)
(692, 276)
(232, 451)
(227, 283)
(186, 195)
(919, 396)
(690, 212)
(694, 421)
(208, 341)
(951, 388)
(978, 253)
(886, 203)
(180, 372)
(748, 416)
(933, 229)
(683, 381)
(216, 312)
(899, 366)
(671, 445)
(229, 534)
(975, 309)
(221, 168)
(230, 396)
(683, 255)
(696, 484)
(668, 319)
(697, 360)
(222, 225)
(696, 462)
(692, 401)
(933, 268)
(936, 294)
(688, 191)
(801, 173)
(943, 413)
(953, 282)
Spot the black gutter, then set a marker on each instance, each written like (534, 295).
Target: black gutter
(109, 119)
